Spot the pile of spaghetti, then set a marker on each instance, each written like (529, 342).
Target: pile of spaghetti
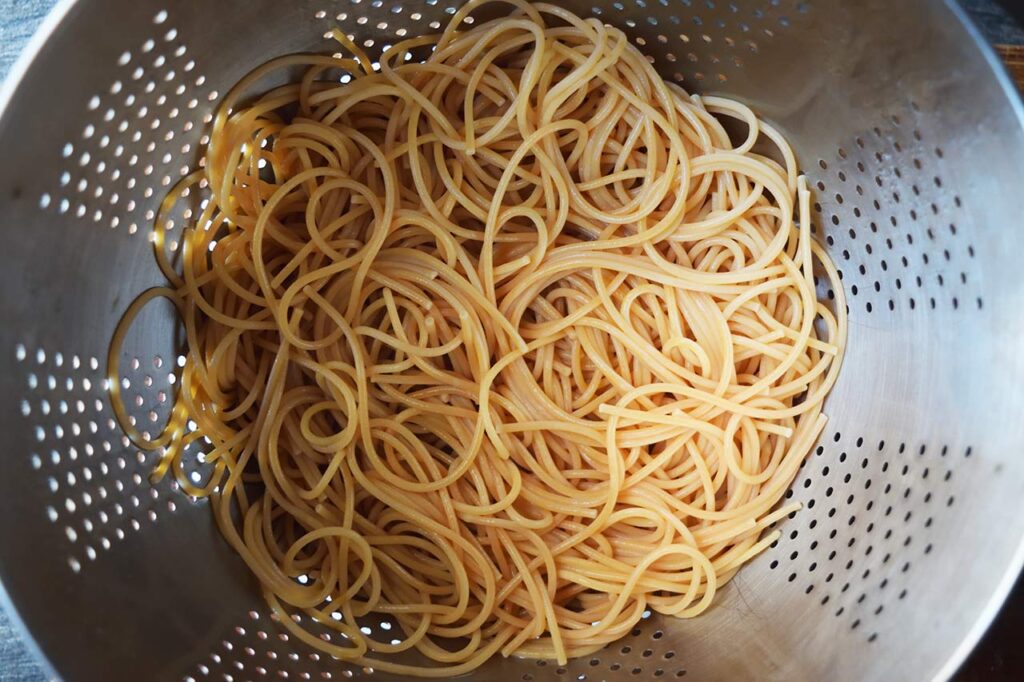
(501, 338)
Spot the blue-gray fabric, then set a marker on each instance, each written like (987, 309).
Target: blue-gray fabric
(20, 18)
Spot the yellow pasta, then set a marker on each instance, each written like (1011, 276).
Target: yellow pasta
(501, 338)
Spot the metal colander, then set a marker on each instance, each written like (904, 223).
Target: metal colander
(913, 523)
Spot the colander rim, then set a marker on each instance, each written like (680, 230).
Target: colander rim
(1014, 568)
(10, 86)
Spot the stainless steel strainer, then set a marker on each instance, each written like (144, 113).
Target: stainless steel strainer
(914, 501)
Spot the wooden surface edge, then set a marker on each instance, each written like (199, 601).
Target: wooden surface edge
(1013, 57)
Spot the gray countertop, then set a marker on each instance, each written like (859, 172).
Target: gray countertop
(19, 19)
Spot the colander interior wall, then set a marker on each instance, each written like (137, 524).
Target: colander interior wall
(913, 521)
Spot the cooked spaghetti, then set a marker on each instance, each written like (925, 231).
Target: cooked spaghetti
(501, 338)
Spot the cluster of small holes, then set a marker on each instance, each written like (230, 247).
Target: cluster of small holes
(362, 19)
(261, 648)
(890, 222)
(147, 389)
(708, 40)
(139, 137)
(95, 479)
(872, 509)
(642, 654)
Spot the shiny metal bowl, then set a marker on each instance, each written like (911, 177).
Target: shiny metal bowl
(914, 502)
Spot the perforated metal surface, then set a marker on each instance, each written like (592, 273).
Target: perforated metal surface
(912, 524)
